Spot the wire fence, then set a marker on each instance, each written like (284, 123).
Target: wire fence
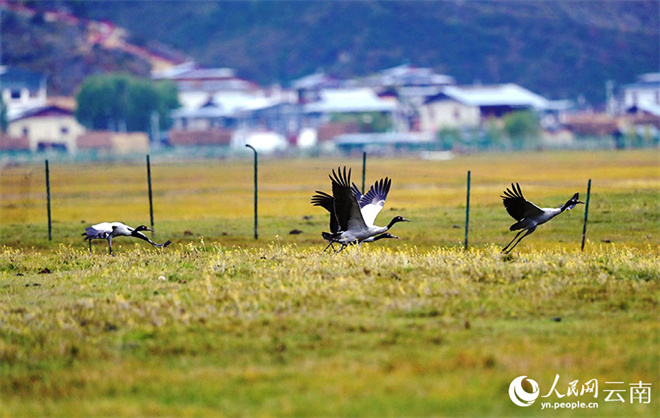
(624, 209)
(470, 142)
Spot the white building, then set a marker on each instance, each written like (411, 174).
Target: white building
(47, 127)
(21, 90)
(469, 106)
(349, 101)
(642, 96)
(209, 97)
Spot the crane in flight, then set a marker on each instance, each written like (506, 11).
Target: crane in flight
(355, 219)
(528, 215)
(327, 202)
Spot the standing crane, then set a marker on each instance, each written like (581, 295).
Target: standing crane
(528, 215)
(355, 219)
(327, 202)
(109, 230)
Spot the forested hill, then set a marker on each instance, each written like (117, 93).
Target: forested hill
(561, 49)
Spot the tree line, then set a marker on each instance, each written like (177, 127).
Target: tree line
(124, 103)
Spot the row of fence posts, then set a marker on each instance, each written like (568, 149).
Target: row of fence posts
(256, 191)
(151, 199)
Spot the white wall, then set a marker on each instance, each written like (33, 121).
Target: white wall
(448, 114)
(48, 129)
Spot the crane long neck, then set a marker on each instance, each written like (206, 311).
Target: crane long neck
(565, 206)
(392, 222)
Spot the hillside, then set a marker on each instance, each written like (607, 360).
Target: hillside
(558, 49)
(66, 48)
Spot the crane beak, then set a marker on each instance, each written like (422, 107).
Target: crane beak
(575, 203)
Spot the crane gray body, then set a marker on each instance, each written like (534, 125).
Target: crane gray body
(327, 202)
(109, 230)
(355, 214)
(528, 215)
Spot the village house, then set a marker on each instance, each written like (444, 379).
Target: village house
(32, 122)
(21, 90)
(277, 113)
(413, 84)
(471, 106)
(347, 101)
(643, 96)
(46, 127)
(405, 85)
(36, 122)
(307, 88)
(209, 97)
(210, 115)
(632, 120)
(414, 104)
(215, 104)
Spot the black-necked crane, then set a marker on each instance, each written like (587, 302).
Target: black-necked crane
(355, 219)
(528, 215)
(109, 230)
(327, 202)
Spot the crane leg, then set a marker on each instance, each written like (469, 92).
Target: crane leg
(90, 246)
(110, 244)
(328, 246)
(514, 238)
(529, 231)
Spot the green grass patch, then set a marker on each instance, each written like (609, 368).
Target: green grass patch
(220, 324)
(208, 330)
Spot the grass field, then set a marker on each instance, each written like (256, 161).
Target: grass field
(219, 324)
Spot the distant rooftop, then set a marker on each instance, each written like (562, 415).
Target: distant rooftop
(12, 77)
(313, 81)
(645, 81)
(349, 100)
(408, 75)
(649, 78)
(190, 71)
(495, 95)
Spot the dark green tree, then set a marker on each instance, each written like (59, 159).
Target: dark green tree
(120, 102)
(523, 128)
(3, 116)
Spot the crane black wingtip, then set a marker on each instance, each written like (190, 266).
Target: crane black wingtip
(341, 178)
(514, 192)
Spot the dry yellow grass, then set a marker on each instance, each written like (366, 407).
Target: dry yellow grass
(205, 330)
(214, 198)
(223, 189)
(218, 324)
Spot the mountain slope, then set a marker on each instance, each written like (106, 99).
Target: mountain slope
(62, 50)
(558, 49)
